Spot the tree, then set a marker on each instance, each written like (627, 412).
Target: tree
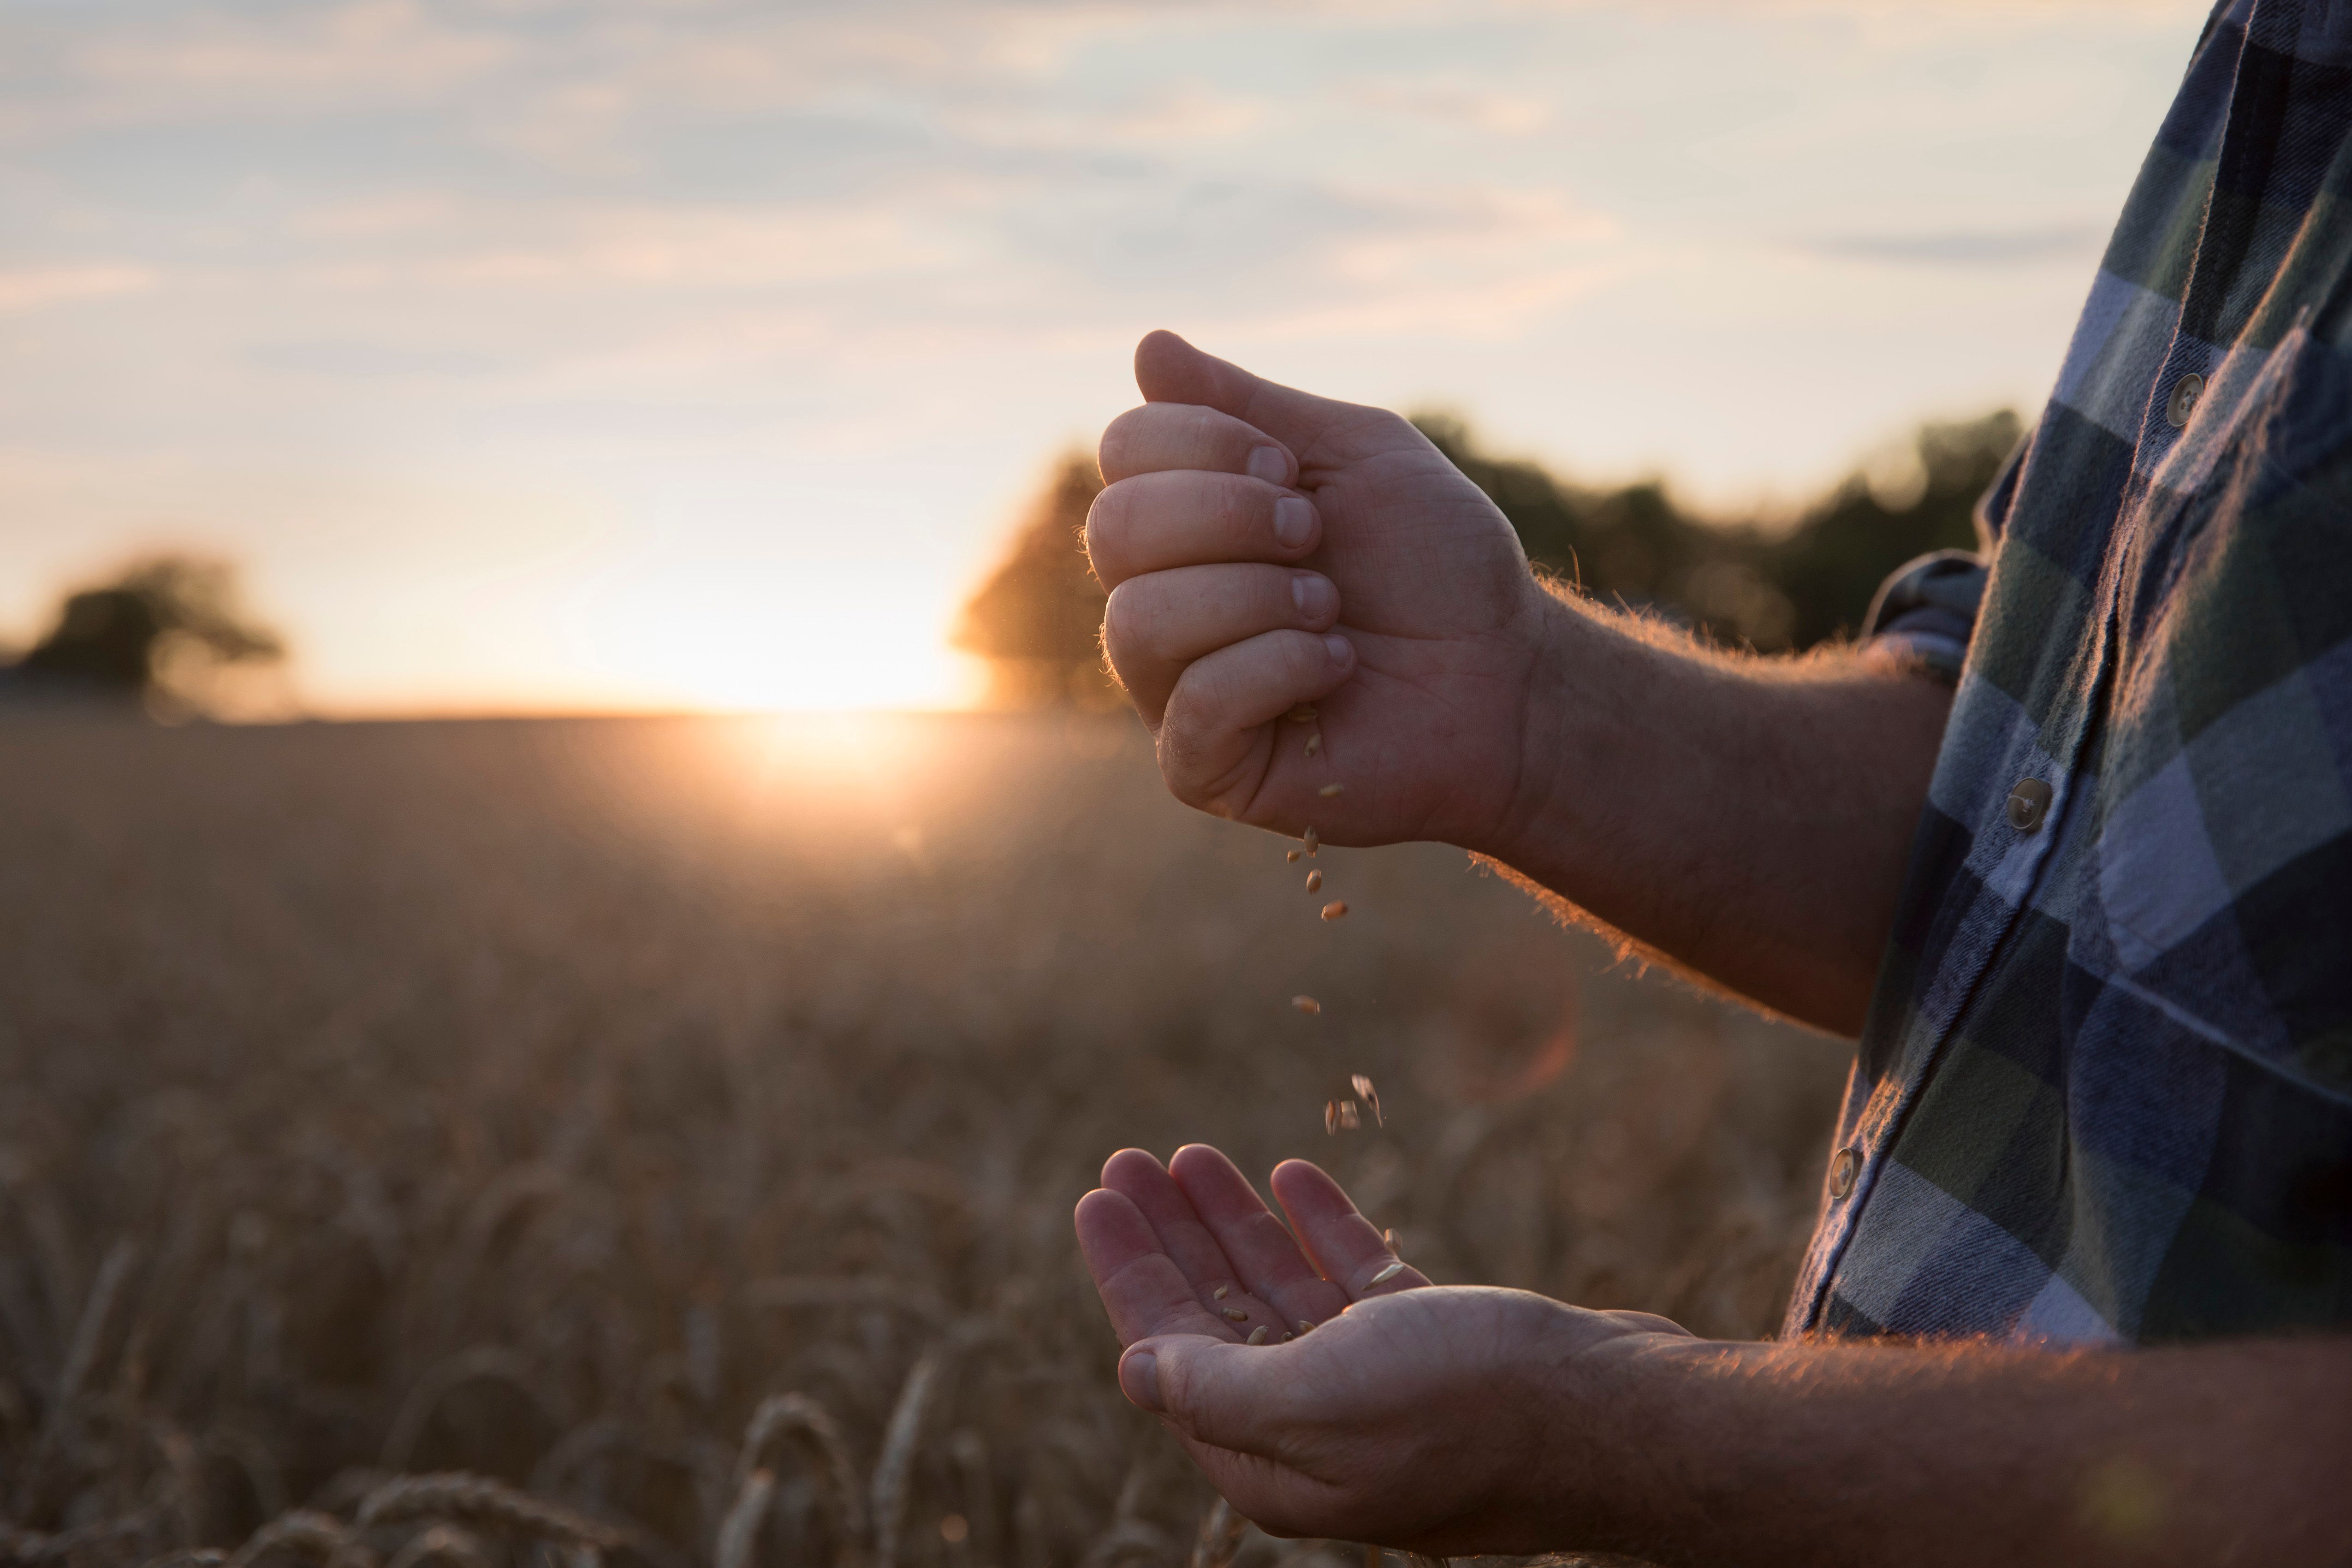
(1038, 616)
(1774, 587)
(156, 634)
(1846, 545)
(1745, 581)
(1633, 545)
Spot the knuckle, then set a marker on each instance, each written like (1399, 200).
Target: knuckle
(1301, 653)
(1117, 676)
(1205, 431)
(1183, 753)
(1104, 519)
(1122, 635)
(1187, 764)
(1239, 508)
(1115, 453)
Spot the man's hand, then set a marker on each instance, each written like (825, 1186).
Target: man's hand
(1746, 819)
(1434, 1419)
(1264, 547)
(1461, 1421)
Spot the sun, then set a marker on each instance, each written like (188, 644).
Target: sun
(791, 639)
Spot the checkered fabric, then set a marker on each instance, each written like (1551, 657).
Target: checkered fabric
(2105, 1093)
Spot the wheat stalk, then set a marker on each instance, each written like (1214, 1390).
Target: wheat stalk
(90, 1331)
(482, 1364)
(970, 1452)
(818, 1292)
(1220, 1539)
(739, 1533)
(455, 1494)
(446, 1542)
(1128, 1537)
(800, 1418)
(36, 1546)
(322, 1535)
(898, 1439)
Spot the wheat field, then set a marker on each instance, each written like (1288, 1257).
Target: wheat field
(659, 1136)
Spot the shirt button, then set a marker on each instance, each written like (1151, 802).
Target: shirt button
(1844, 1166)
(2183, 402)
(2027, 805)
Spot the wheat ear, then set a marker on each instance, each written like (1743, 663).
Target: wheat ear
(892, 1470)
(458, 1494)
(809, 1423)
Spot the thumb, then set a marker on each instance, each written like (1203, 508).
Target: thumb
(1212, 1391)
(1170, 370)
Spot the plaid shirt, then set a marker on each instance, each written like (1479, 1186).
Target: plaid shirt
(2104, 1094)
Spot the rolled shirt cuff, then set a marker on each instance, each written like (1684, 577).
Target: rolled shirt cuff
(1927, 611)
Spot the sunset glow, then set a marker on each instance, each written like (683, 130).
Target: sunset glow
(626, 356)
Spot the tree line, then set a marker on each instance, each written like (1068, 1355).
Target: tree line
(1739, 582)
(154, 635)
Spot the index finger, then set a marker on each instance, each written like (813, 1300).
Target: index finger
(1142, 1290)
(1170, 370)
(1345, 1246)
(1262, 1248)
(1159, 436)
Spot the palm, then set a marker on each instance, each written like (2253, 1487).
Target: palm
(1408, 1414)
(1191, 1250)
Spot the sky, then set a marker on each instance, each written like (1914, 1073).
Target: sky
(598, 355)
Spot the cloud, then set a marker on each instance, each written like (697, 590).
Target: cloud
(367, 360)
(376, 48)
(1292, 242)
(441, 242)
(1185, 112)
(34, 287)
(1451, 103)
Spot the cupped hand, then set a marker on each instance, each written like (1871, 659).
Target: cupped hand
(1265, 547)
(1440, 1419)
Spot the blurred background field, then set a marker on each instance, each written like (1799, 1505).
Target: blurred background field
(537, 1099)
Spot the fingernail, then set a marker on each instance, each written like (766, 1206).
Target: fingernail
(1270, 464)
(1293, 520)
(1139, 1379)
(1342, 651)
(1314, 595)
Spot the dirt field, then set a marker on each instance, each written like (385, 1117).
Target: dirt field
(540, 1099)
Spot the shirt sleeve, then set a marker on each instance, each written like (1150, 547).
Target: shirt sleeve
(1927, 609)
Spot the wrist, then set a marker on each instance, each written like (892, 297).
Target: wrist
(1605, 1459)
(1593, 689)
(1554, 631)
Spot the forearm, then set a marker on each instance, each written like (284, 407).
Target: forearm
(1821, 1455)
(1748, 818)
